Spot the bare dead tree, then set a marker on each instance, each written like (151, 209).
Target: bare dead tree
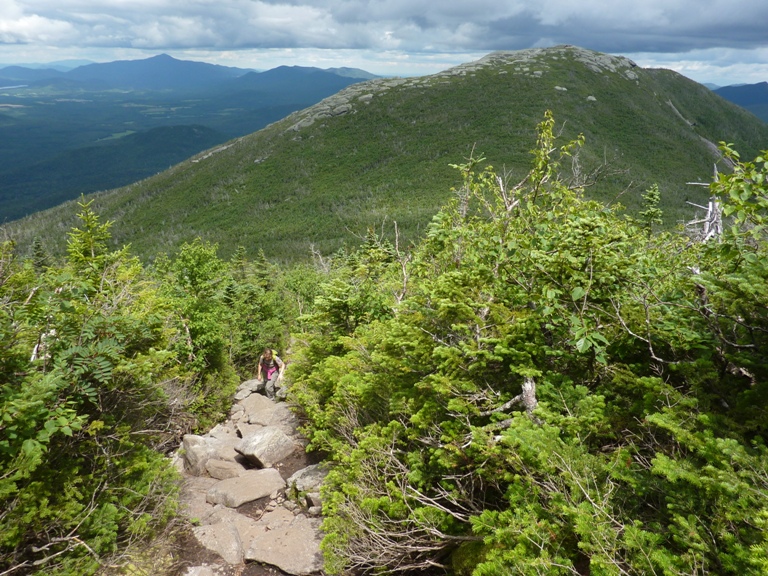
(403, 259)
(710, 226)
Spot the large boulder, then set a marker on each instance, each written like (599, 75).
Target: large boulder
(249, 387)
(258, 409)
(196, 453)
(250, 486)
(266, 447)
(308, 479)
(199, 449)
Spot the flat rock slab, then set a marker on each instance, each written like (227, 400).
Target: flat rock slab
(250, 486)
(193, 497)
(222, 538)
(266, 447)
(243, 524)
(291, 543)
(262, 410)
(223, 469)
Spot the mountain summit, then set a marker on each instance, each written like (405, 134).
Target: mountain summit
(155, 73)
(381, 150)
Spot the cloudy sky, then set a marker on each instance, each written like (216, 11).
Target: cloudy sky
(718, 41)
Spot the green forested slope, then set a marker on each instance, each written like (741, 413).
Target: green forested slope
(103, 166)
(381, 151)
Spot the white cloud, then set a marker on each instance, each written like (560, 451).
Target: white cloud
(426, 33)
(714, 65)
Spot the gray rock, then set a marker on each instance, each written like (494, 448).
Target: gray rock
(291, 543)
(256, 403)
(343, 109)
(236, 413)
(246, 429)
(177, 461)
(313, 500)
(193, 498)
(266, 412)
(266, 447)
(221, 538)
(199, 449)
(251, 485)
(249, 387)
(222, 469)
(225, 449)
(202, 571)
(226, 431)
(259, 432)
(308, 479)
(196, 453)
(244, 525)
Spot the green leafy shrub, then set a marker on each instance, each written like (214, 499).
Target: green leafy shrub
(82, 419)
(555, 389)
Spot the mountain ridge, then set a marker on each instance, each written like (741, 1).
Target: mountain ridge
(752, 97)
(159, 72)
(381, 150)
(155, 73)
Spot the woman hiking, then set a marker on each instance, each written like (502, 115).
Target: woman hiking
(272, 368)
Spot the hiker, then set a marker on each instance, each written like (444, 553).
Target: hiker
(272, 368)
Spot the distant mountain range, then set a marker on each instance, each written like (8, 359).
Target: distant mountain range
(753, 97)
(163, 72)
(380, 151)
(69, 132)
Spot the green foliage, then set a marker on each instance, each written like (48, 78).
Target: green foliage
(104, 365)
(81, 418)
(745, 193)
(225, 314)
(652, 214)
(552, 389)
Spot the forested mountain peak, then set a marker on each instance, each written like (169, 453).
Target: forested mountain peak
(381, 149)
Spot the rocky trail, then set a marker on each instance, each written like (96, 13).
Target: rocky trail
(252, 494)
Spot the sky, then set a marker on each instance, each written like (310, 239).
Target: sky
(721, 42)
